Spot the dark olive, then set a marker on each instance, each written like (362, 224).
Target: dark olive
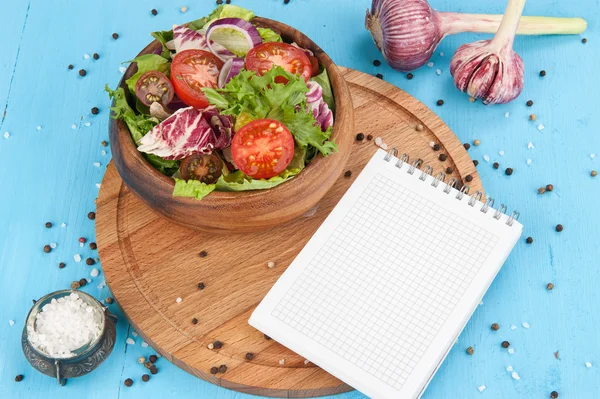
(204, 167)
(154, 86)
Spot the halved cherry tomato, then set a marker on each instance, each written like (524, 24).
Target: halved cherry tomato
(262, 148)
(261, 59)
(192, 70)
(204, 167)
(154, 86)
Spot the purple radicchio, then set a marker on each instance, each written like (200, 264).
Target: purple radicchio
(316, 104)
(188, 39)
(188, 131)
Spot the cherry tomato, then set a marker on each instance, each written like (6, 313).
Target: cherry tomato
(154, 86)
(262, 148)
(204, 167)
(192, 70)
(261, 59)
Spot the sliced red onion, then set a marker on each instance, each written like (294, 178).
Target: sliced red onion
(235, 43)
(304, 50)
(315, 92)
(231, 69)
(158, 51)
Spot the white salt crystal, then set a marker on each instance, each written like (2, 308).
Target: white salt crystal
(89, 280)
(97, 164)
(81, 244)
(282, 361)
(63, 224)
(38, 128)
(506, 115)
(94, 272)
(378, 141)
(103, 152)
(530, 145)
(529, 161)
(481, 388)
(431, 143)
(270, 264)
(486, 158)
(86, 56)
(441, 53)
(306, 361)
(438, 71)
(501, 152)
(6, 135)
(77, 257)
(73, 126)
(511, 351)
(525, 324)
(513, 327)
(509, 368)
(515, 375)
(122, 69)
(135, 334)
(211, 346)
(12, 323)
(87, 124)
(184, 9)
(430, 64)
(144, 344)
(592, 156)
(178, 300)
(541, 127)
(52, 245)
(98, 185)
(588, 364)
(130, 341)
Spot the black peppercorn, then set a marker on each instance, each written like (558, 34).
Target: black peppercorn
(128, 382)
(109, 300)
(104, 143)
(380, 76)
(360, 137)
(201, 286)
(467, 146)
(19, 378)
(409, 76)
(61, 265)
(554, 395)
(91, 215)
(214, 370)
(449, 170)
(470, 350)
(495, 326)
(115, 36)
(529, 103)
(227, 1)
(584, 40)
(549, 187)
(475, 162)
(90, 261)
(436, 147)
(96, 56)
(559, 227)
(154, 12)
(529, 240)
(93, 246)
(153, 358)
(443, 157)
(70, 66)
(376, 62)
(47, 249)
(348, 173)
(550, 287)
(153, 370)
(266, 337)
(82, 72)
(194, 321)
(219, 2)
(509, 171)
(469, 178)
(82, 282)
(286, 1)
(542, 73)
(496, 165)
(505, 344)
(203, 254)
(48, 225)
(370, 137)
(145, 378)
(95, 110)
(249, 356)
(222, 368)
(218, 344)
(440, 102)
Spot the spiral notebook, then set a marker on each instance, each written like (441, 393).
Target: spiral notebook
(382, 290)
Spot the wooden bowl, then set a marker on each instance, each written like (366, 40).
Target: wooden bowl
(247, 210)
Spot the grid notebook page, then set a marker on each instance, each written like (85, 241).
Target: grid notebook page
(382, 290)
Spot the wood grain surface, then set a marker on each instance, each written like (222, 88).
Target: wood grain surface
(149, 262)
(244, 210)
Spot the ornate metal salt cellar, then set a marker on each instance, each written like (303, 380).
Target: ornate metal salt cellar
(85, 358)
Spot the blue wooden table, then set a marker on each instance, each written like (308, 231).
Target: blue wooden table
(52, 162)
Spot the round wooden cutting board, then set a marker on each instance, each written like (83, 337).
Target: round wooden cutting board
(149, 262)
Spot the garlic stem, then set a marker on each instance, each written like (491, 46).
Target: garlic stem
(453, 23)
(504, 38)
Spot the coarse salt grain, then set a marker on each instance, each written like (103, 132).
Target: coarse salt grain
(486, 158)
(63, 224)
(530, 145)
(525, 324)
(501, 152)
(122, 69)
(378, 141)
(541, 127)
(130, 341)
(441, 53)
(89, 280)
(178, 300)
(270, 264)
(102, 285)
(6, 135)
(94, 272)
(64, 325)
(38, 128)
(588, 364)
(141, 360)
(103, 152)
(529, 161)
(98, 185)
(97, 164)
(135, 334)
(431, 143)
(513, 327)
(506, 115)
(481, 388)
(11, 322)
(438, 71)
(430, 64)
(87, 124)
(509, 368)
(511, 351)
(592, 156)
(184, 9)
(73, 126)
(77, 257)
(282, 361)
(306, 361)
(81, 244)
(86, 56)
(144, 344)
(515, 375)
(53, 245)
(211, 346)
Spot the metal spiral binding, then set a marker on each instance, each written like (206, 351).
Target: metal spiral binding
(453, 183)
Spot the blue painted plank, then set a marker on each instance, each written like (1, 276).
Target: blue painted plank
(48, 175)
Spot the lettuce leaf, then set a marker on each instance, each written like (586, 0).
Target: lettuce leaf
(269, 35)
(138, 126)
(260, 97)
(238, 181)
(323, 80)
(145, 63)
(192, 188)
(163, 37)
